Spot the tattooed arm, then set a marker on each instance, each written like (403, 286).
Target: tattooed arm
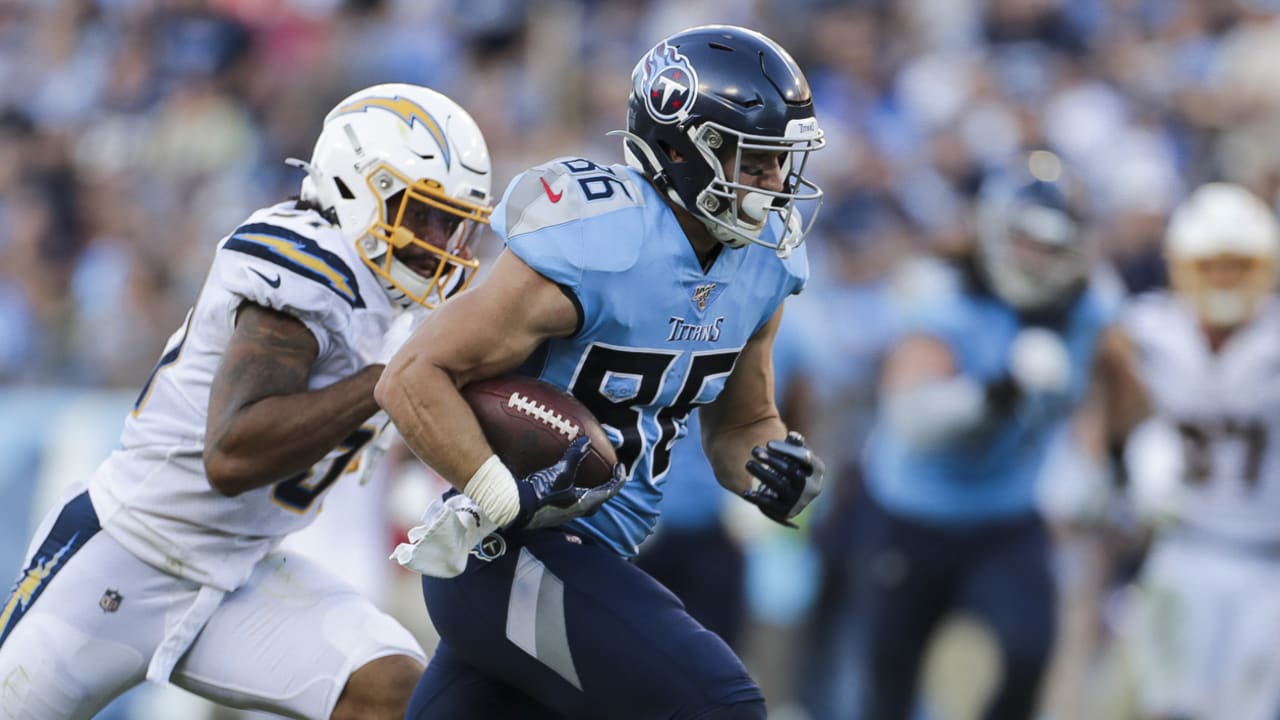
(264, 425)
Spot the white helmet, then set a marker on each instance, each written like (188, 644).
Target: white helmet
(396, 158)
(1217, 222)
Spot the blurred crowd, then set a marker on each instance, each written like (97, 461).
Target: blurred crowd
(135, 133)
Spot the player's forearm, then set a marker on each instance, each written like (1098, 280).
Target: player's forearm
(434, 420)
(729, 449)
(280, 436)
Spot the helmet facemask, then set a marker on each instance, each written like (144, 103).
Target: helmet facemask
(736, 212)
(1032, 255)
(1033, 246)
(420, 244)
(1224, 290)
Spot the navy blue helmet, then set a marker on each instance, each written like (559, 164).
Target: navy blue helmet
(1031, 239)
(710, 93)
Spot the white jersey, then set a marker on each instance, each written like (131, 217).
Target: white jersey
(1225, 408)
(151, 494)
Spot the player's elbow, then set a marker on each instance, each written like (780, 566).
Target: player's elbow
(225, 475)
(406, 370)
(386, 392)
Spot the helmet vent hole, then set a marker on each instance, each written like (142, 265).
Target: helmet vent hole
(718, 46)
(343, 190)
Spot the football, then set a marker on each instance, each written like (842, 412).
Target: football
(530, 424)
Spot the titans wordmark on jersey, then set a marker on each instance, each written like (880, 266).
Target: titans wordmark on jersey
(1225, 409)
(658, 335)
(151, 493)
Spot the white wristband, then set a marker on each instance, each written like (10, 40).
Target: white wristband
(493, 488)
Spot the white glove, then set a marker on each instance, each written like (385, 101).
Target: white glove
(440, 545)
(1039, 362)
(398, 333)
(371, 456)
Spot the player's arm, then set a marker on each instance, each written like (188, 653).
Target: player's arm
(742, 435)
(483, 332)
(1127, 402)
(1117, 399)
(264, 425)
(924, 397)
(744, 415)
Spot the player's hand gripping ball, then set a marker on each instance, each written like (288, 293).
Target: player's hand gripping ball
(563, 461)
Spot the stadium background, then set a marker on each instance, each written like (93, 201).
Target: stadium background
(135, 133)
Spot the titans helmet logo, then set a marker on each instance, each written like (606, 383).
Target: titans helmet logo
(408, 111)
(669, 84)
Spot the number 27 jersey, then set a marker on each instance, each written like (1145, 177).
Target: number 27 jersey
(1225, 409)
(658, 335)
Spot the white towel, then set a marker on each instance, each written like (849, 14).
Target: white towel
(177, 639)
(449, 530)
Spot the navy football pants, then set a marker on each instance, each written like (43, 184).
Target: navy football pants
(915, 575)
(558, 627)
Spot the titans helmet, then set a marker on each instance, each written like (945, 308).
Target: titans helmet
(395, 156)
(707, 95)
(1031, 238)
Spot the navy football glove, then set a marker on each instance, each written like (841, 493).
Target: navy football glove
(789, 475)
(549, 497)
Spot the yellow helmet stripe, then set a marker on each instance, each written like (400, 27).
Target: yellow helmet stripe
(406, 110)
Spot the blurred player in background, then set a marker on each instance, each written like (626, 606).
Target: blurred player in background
(644, 290)
(1208, 601)
(261, 401)
(990, 362)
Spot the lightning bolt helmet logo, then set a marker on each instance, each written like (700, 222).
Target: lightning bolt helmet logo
(408, 111)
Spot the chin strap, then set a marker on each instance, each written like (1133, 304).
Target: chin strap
(647, 163)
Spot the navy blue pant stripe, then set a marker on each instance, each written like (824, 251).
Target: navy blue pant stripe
(75, 525)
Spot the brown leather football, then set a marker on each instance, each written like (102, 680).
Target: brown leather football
(530, 423)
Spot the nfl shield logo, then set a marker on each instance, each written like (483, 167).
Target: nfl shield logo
(701, 294)
(110, 601)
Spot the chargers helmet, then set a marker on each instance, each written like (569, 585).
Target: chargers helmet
(1222, 222)
(1030, 240)
(393, 156)
(710, 93)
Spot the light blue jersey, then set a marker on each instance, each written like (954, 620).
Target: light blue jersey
(696, 500)
(993, 472)
(658, 335)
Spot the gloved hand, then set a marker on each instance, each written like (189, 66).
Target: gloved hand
(398, 333)
(1039, 371)
(789, 475)
(1039, 362)
(549, 496)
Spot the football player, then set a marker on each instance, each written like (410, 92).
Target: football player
(163, 569)
(989, 362)
(1208, 600)
(643, 289)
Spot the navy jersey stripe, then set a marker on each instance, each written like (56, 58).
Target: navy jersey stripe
(75, 525)
(298, 254)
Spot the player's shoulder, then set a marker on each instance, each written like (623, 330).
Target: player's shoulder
(290, 255)
(569, 190)
(570, 216)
